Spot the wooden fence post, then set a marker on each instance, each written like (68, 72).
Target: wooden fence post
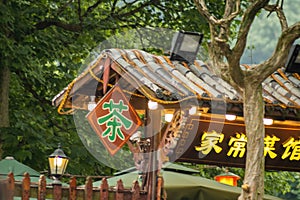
(104, 190)
(88, 190)
(135, 191)
(57, 190)
(159, 186)
(10, 186)
(26, 187)
(72, 189)
(120, 190)
(42, 188)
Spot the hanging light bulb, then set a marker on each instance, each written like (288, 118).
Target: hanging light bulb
(193, 110)
(168, 117)
(230, 117)
(92, 104)
(268, 121)
(152, 105)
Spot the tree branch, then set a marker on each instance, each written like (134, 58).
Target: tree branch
(279, 56)
(91, 8)
(282, 19)
(69, 27)
(60, 10)
(113, 7)
(280, 14)
(246, 23)
(131, 12)
(79, 27)
(229, 14)
(219, 38)
(203, 10)
(79, 11)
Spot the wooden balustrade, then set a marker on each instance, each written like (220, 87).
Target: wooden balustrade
(43, 190)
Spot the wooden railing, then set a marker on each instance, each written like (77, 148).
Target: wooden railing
(9, 189)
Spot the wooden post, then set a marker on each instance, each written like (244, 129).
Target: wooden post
(104, 190)
(135, 191)
(3, 189)
(42, 188)
(159, 186)
(72, 189)
(153, 131)
(10, 186)
(26, 187)
(120, 190)
(88, 190)
(57, 190)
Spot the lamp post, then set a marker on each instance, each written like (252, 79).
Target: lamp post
(58, 162)
(228, 178)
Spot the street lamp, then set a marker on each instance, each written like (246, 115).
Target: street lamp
(228, 178)
(185, 46)
(58, 162)
(293, 61)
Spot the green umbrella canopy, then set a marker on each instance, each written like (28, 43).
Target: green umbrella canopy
(168, 166)
(180, 186)
(9, 164)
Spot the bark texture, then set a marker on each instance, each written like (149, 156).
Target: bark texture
(253, 186)
(225, 62)
(4, 96)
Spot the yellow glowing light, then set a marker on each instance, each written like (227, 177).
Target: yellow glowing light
(152, 105)
(268, 121)
(168, 117)
(230, 117)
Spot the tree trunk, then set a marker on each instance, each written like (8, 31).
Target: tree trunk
(253, 186)
(4, 94)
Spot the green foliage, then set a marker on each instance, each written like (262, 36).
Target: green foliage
(282, 180)
(288, 184)
(283, 184)
(44, 43)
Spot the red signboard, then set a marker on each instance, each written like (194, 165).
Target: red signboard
(114, 120)
(223, 143)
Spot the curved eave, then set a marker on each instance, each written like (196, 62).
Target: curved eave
(145, 76)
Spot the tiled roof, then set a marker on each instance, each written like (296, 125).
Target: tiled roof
(169, 81)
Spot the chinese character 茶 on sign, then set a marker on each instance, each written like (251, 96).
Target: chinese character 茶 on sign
(114, 120)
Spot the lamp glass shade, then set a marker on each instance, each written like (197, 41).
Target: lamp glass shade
(58, 162)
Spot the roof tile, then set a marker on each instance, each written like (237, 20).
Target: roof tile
(177, 81)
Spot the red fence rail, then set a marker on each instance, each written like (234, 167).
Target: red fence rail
(25, 189)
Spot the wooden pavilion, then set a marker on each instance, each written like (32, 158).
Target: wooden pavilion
(198, 102)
